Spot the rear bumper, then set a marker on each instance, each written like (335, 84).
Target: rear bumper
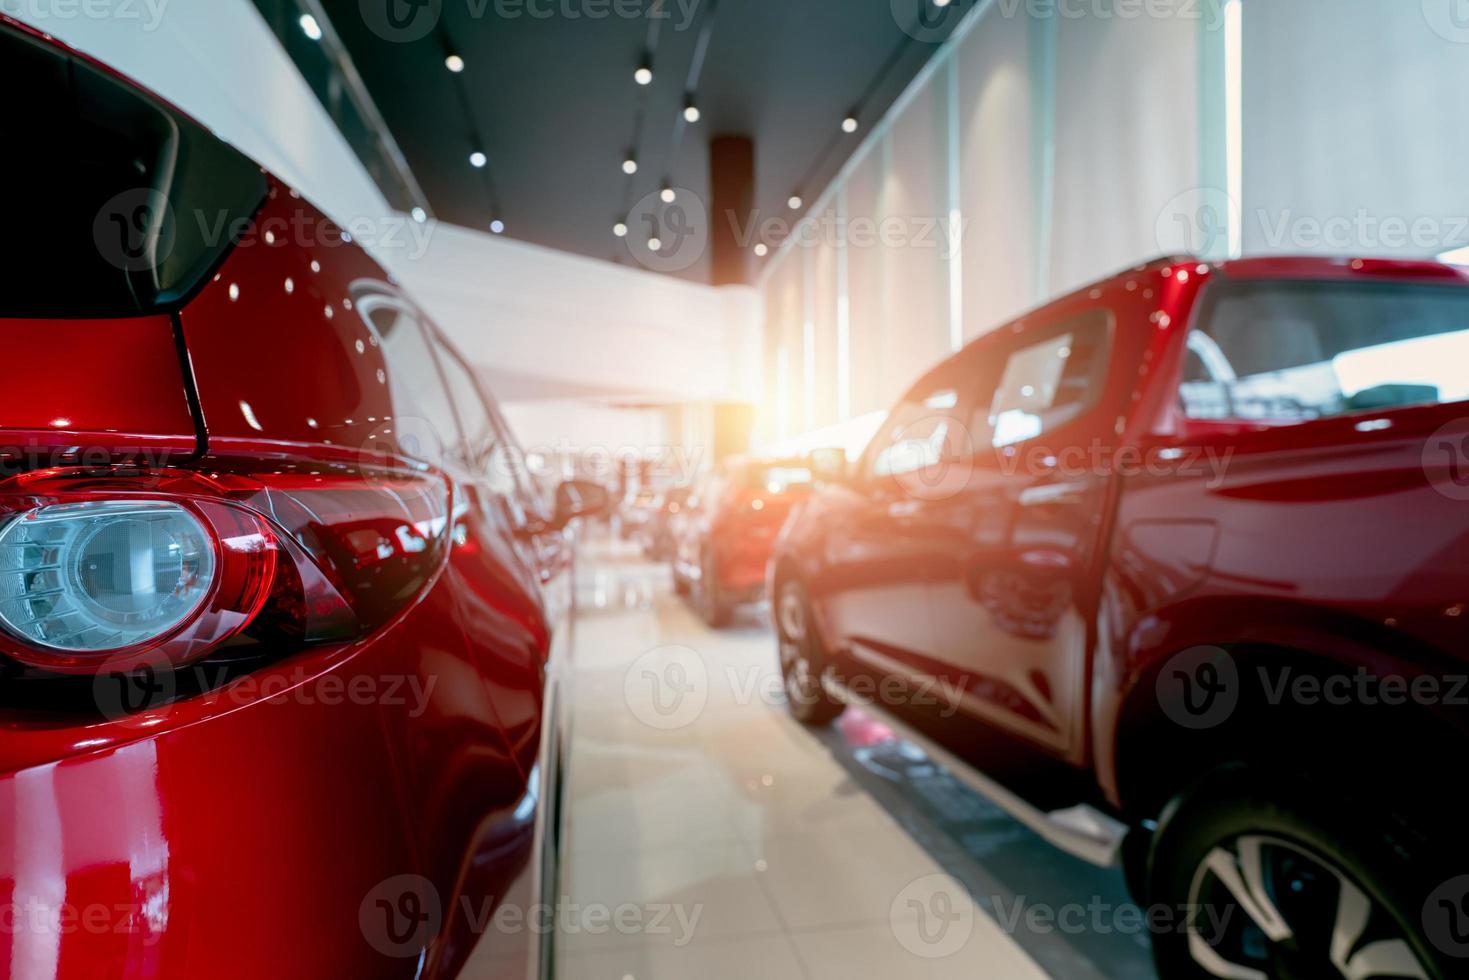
(277, 826)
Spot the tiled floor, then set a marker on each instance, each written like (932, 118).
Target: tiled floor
(711, 836)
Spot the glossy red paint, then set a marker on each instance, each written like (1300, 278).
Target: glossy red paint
(1052, 599)
(356, 779)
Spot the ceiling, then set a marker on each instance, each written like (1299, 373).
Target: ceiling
(548, 95)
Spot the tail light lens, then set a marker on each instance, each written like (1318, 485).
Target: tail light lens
(111, 573)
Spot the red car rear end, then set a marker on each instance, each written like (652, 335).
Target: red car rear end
(279, 605)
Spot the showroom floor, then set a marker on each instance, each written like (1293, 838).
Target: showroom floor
(711, 836)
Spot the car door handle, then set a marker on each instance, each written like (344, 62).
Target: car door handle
(1055, 494)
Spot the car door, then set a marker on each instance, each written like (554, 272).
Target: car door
(1012, 583)
(877, 547)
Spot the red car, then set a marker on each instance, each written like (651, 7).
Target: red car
(1174, 569)
(724, 530)
(280, 607)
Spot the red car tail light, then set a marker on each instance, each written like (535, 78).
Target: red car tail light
(126, 581)
(112, 571)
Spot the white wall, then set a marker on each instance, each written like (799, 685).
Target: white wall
(511, 307)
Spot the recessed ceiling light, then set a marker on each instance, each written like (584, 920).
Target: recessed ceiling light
(620, 230)
(795, 202)
(420, 215)
(497, 226)
(691, 113)
(310, 27)
(630, 166)
(477, 159)
(644, 75)
(667, 195)
(655, 244)
(849, 124)
(454, 63)
(761, 249)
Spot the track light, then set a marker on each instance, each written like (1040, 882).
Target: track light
(667, 195)
(620, 230)
(420, 215)
(310, 27)
(655, 244)
(454, 63)
(477, 160)
(795, 202)
(644, 73)
(497, 226)
(849, 124)
(691, 111)
(761, 249)
(630, 166)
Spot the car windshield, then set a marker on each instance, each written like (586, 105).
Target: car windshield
(1293, 351)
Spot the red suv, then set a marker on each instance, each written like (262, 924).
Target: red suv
(724, 530)
(280, 606)
(1175, 569)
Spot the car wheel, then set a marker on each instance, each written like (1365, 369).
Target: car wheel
(1282, 879)
(801, 659)
(712, 605)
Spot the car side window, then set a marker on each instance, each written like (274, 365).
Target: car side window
(1049, 382)
(474, 420)
(921, 432)
(425, 426)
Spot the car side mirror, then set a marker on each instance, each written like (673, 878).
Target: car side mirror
(580, 498)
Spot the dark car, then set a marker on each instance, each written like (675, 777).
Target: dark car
(280, 608)
(1174, 569)
(725, 530)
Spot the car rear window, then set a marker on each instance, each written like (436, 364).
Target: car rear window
(116, 204)
(1294, 351)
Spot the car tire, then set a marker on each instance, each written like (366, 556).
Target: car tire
(1335, 882)
(713, 607)
(802, 659)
